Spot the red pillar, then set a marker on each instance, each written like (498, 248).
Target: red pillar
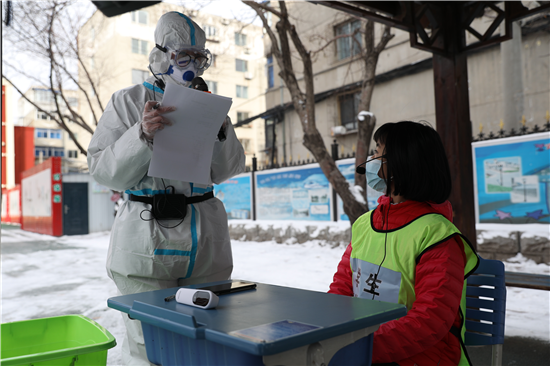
(23, 140)
(4, 142)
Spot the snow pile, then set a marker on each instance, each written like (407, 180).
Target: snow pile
(44, 276)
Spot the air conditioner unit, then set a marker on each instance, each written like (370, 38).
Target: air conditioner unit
(193, 13)
(225, 21)
(247, 50)
(337, 130)
(248, 75)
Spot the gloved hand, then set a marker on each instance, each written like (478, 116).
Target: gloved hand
(222, 135)
(152, 119)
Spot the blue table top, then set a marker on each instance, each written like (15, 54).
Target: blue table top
(281, 318)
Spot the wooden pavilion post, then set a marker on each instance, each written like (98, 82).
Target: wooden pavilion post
(452, 111)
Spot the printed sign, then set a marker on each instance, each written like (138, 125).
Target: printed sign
(298, 193)
(235, 193)
(512, 179)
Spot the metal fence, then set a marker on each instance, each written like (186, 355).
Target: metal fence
(523, 130)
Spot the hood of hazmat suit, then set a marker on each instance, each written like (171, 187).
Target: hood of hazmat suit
(176, 31)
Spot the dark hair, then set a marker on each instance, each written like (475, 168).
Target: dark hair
(416, 161)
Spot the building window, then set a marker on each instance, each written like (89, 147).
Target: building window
(140, 17)
(349, 107)
(43, 96)
(241, 65)
(214, 57)
(270, 76)
(38, 150)
(41, 133)
(242, 91)
(139, 76)
(72, 154)
(139, 46)
(73, 102)
(44, 133)
(210, 31)
(42, 115)
(246, 145)
(241, 116)
(55, 134)
(240, 39)
(212, 86)
(57, 152)
(348, 46)
(47, 152)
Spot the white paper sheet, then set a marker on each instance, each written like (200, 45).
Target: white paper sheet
(184, 150)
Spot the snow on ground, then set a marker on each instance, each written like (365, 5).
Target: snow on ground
(45, 276)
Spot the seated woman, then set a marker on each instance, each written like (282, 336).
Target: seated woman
(408, 251)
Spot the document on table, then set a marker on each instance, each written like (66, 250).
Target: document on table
(184, 150)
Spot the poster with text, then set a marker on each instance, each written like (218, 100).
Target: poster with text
(235, 193)
(347, 167)
(512, 179)
(295, 193)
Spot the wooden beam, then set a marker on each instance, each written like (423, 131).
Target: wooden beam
(452, 110)
(362, 12)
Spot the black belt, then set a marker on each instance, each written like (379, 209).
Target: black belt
(188, 200)
(170, 206)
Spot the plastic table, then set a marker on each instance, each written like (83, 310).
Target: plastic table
(271, 325)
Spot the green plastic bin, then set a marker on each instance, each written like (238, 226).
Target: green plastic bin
(69, 340)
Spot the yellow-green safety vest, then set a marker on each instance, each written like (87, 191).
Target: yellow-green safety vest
(384, 269)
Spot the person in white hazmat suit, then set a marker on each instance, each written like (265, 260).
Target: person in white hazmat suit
(148, 254)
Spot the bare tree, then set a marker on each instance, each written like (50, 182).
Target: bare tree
(47, 32)
(304, 102)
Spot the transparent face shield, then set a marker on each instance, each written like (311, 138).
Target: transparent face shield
(202, 58)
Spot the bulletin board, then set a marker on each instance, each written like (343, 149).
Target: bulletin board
(236, 193)
(512, 179)
(293, 193)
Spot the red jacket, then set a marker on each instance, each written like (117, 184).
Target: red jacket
(421, 337)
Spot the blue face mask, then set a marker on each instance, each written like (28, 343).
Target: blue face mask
(373, 180)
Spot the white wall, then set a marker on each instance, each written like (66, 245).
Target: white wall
(100, 207)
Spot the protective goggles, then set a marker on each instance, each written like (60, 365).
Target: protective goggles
(202, 58)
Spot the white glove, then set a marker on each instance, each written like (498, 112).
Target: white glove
(152, 119)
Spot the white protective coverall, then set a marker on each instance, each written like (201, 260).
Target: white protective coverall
(144, 256)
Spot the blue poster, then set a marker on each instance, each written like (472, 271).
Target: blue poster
(235, 193)
(347, 168)
(298, 193)
(513, 179)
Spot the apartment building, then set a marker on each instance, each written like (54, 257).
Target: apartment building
(49, 138)
(509, 82)
(117, 50)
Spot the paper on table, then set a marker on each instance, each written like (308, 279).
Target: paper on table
(184, 150)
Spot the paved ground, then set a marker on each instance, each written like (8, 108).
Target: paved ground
(517, 351)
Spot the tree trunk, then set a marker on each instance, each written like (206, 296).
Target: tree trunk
(304, 103)
(366, 122)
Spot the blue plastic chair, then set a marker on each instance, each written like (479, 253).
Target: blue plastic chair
(486, 308)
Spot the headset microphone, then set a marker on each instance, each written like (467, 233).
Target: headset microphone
(198, 83)
(361, 169)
